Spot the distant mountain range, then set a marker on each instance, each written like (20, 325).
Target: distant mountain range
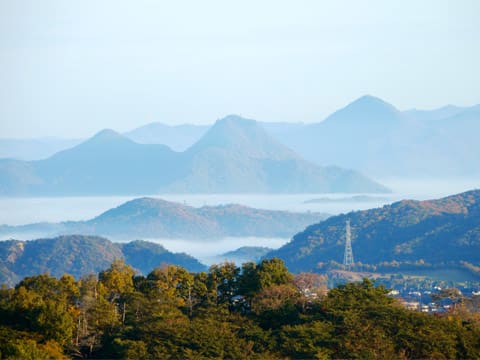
(81, 255)
(155, 218)
(373, 136)
(368, 135)
(235, 155)
(403, 236)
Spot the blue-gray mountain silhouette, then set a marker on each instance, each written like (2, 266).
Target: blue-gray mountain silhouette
(235, 155)
(374, 137)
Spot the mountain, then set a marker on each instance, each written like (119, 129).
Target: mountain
(406, 235)
(367, 111)
(368, 135)
(176, 137)
(107, 163)
(243, 136)
(235, 155)
(81, 255)
(372, 136)
(456, 142)
(358, 136)
(156, 218)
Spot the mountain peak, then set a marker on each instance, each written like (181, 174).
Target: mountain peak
(369, 102)
(236, 123)
(154, 203)
(365, 110)
(241, 135)
(107, 134)
(235, 119)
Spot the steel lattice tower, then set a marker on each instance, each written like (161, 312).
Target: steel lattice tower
(348, 255)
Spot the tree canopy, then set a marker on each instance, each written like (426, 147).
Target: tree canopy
(256, 311)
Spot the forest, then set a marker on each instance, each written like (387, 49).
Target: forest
(248, 312)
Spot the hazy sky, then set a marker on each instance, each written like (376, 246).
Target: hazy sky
(70, 68)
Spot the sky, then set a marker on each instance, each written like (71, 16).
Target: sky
(71, 68)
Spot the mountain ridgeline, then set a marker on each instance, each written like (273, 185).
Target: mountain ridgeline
(80, 255)
(374, 137)
(235, 155)
(369, 135)
(156, 218)
(409, 234)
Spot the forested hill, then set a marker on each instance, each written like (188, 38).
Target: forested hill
(439, 232)
(150, 218)
(82, 255)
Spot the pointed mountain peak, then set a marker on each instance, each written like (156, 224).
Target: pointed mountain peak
(233, 129)
(236, 119)
(365, 110)
(107, 136)
(369, 102)
(242, 136)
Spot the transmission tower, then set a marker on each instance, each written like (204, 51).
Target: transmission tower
(348, 255)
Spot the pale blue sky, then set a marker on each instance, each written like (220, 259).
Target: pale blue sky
(70, 68)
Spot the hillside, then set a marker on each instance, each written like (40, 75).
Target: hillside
(234, 156)
(81, 255)
(405, 234)
(156, 218)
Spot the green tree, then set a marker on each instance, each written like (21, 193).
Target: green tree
(273, 272)
(223, 280)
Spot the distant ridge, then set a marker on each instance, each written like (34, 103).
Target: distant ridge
(235, 155)
(368, 135)
(372, 136)
(156, 218)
